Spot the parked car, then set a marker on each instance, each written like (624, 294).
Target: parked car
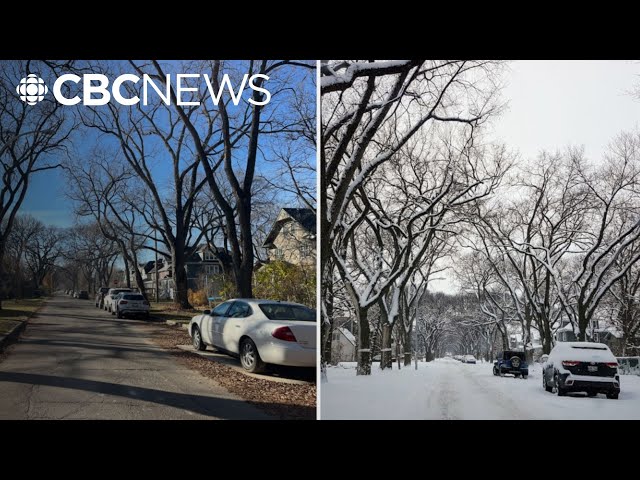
(131, 304)
(513, 362)
(83, 295)
(260, 332)
(581, 367)
(108, 298)
(100, 296)
(469, 359)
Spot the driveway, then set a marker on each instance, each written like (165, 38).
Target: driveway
(77, 362)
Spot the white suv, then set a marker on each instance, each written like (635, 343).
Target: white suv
(581, 367)
(108, 298)
(131, 304)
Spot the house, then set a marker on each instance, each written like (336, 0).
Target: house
(598, 332)
(293, 237)
(165, 281)
(343, 346)
(204, 269)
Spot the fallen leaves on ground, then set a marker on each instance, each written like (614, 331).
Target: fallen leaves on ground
(282, 400)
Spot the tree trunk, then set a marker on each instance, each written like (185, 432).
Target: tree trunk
(385, 356)
(245, 281)
(364, 345)
(327, 324)
(406, 344)
(181, 294)
(407, 358)
(138, 275)
(127, 272)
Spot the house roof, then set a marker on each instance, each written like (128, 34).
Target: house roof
(348, 335)
(303, 216)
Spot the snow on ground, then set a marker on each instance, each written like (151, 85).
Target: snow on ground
(448, 389)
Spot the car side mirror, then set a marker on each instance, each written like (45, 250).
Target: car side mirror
(207, 312)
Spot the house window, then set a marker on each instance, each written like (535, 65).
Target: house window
(279, 254)
(212, 269)
(209, 256)
(305, 250)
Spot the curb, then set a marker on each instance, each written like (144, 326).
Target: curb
(13, 335)
(232, 363)
(15, 332)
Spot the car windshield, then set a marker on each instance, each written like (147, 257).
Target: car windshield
(277, 311)
(116, 292)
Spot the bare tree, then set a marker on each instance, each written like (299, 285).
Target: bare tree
(370, 111)
(231, 138)
(30, 137)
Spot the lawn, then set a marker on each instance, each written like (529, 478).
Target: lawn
(167, 311)
(15, 312)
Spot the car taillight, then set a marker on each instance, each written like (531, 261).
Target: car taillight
(612, 364)
(122, 302)
(570, 363)
(284, 333)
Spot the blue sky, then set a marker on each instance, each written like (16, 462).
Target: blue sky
(46, 198)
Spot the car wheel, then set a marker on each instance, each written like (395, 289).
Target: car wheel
(146, 315)
(544, 383)
(495, 371)
(592, 394)
(612, 395)
(249, 356)
(524, 377)
(558, 389)
(198, 344)
(118, 313)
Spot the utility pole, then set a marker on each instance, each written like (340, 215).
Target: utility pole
(155, 239)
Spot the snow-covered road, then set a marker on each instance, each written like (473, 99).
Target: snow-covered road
(448, 389)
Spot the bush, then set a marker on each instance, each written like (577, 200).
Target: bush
(198, 298)
(283, 281)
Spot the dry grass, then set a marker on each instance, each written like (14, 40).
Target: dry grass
(15, 312)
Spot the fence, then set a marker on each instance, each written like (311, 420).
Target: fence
(629, 365)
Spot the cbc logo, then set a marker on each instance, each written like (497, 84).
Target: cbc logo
(32, 89)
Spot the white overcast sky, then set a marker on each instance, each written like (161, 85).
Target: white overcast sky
(553, 104)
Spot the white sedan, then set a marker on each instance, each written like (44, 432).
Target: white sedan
(259, 332)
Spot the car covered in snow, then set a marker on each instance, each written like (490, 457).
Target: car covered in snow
(581, 367)
(469, 359)
(513, 362)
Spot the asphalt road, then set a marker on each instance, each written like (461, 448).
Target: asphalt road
(77, 362)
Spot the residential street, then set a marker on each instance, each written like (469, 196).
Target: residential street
(446, 389)
(77, 362)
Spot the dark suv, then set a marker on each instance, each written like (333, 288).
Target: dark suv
(511, 361)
